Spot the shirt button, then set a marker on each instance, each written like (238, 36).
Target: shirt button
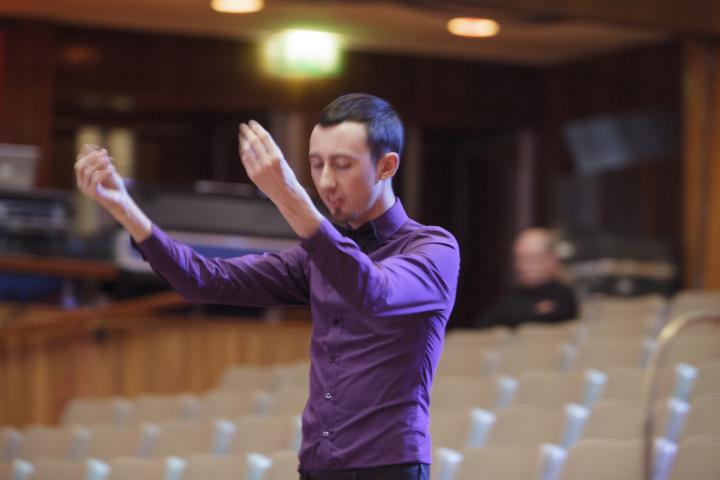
(326, 433)
(328, 395)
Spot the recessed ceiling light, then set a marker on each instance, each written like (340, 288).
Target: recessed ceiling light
(237, 6)
(473, 27)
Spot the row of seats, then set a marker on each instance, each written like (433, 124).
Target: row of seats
(528, 424)
(260, 434)
(554, 388)
(695, 458)
(280, 465)
(472, 353)
(211, 404)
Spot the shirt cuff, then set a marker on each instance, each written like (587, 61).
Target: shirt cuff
(151, 243)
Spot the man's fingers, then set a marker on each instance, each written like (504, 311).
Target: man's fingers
(248, 155)
(265, 138)
(255, 142)
(87, 148)
(99, 177)
(88, 151)
(86, 167)
(90, 158)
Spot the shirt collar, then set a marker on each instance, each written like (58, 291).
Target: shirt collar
(382, 228)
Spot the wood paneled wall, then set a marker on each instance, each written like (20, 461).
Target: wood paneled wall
(643, 199)
(136, 354)
(701, 163)
(26, 98)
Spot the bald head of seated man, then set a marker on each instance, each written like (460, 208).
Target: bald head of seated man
(539, 295)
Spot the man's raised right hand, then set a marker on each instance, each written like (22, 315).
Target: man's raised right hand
(97, 178)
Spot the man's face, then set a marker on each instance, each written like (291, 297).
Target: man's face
(535, 264)
(343, 171)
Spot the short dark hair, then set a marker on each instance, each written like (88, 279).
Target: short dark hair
(383, 125)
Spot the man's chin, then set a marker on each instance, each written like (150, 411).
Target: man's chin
(340, 216)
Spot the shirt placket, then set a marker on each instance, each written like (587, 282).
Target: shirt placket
(329, 427)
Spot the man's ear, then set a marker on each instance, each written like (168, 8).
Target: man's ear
(387, 166)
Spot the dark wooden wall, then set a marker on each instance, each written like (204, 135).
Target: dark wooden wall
(195, 83)
(643, 199)
(26, 94)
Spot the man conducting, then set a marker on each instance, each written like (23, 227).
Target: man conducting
(380, 287)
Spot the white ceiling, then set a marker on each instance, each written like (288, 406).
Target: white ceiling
(383, 26)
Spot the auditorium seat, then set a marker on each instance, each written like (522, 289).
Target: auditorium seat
(215, 467)
(614, 307)
(257, 465)
(693, 349)
(68, 443)
(539, 333)
(450, 429)
(461, 392)
(291, 375)
(477, 338)
(687, 301)
(531, 425)
(266, 434)
(230, 404)
(624, 383)
(624, 420)
(108, 441)
(708, 378)
(511, 462)
(465, 360)
(554, 388)
(10, 440)
(178, 438)
(603, 459)
(87, 411)
(159, 408)
(134, 468)
(288, 401)
(704, 416)
(609, 353)
(445, 464)
(15, 470)
(614, 326)
(515, 358)
(247, 378)
(284, 466)
(45, 469)
(697, 459)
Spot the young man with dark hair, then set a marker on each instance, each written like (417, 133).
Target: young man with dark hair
(380, 288)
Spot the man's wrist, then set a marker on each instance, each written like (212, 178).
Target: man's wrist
(299, 211)
(134, 221)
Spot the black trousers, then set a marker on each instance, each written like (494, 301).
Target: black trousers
(409, 471)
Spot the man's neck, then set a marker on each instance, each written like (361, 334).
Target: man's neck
(382, 205)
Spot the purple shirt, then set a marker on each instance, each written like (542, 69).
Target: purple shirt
(378, 322)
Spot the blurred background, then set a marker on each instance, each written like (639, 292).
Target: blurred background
(599, 120)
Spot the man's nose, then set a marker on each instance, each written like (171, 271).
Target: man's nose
(327, 179)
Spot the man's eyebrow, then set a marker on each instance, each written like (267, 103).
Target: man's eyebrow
(332, 156)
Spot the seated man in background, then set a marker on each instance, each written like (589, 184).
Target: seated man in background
(539, 294)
